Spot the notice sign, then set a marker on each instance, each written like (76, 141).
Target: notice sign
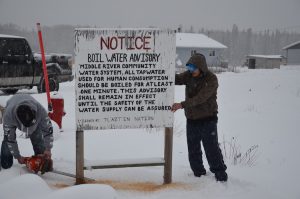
(124, 78)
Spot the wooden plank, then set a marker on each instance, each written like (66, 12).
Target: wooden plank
(79, 157)
(168, 155)
(124, 165)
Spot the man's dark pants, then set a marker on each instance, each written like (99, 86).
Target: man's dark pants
(204, 131)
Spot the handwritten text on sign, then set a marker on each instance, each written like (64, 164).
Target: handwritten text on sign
(124, 78)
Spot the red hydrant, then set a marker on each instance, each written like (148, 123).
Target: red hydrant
(58, 109)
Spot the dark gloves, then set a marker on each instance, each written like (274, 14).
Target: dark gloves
(47, 165)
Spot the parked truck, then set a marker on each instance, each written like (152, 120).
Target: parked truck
(20, 68)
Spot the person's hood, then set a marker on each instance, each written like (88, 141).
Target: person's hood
(33, 106)
(198, 60)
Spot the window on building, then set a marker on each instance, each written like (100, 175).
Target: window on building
(193, 52)
(212, 53)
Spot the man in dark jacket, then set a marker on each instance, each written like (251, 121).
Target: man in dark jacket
(28, 115)
(201, 109)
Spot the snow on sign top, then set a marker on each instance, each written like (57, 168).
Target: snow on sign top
(188, 40)
(124, 78)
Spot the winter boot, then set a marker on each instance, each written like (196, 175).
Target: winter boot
(221, 176)
(200, 173)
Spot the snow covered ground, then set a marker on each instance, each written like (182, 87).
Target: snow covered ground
(259, 123)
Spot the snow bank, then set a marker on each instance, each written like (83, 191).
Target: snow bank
(256, 107)
(24, 186)
(30, 186)
(87, 191)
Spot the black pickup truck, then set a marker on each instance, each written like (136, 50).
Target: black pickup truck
(21, 68)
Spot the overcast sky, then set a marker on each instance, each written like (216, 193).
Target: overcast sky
(213, 14)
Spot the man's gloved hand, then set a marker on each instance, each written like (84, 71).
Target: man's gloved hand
(176, 106)
(46, 166)
(21, 160)
(47, 162)
(47, 154)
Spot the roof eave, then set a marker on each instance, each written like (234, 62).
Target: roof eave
(291, 45)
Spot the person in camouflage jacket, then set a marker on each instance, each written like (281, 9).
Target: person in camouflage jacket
(23, 112)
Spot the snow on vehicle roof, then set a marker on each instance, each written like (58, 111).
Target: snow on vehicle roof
(10, 36)
(196, 41)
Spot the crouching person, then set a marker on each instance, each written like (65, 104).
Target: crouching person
(29, 116)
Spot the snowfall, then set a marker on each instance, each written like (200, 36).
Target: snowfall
(259, 133)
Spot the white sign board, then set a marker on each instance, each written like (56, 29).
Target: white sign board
(124, 78)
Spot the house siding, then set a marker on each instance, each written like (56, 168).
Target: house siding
(293, 56)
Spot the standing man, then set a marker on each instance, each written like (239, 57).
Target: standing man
(201, 109)
(28, 115)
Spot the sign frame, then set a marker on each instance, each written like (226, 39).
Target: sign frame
(169, 52)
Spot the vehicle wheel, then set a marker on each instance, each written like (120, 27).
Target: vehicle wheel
(10, 91)
(53, 85)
